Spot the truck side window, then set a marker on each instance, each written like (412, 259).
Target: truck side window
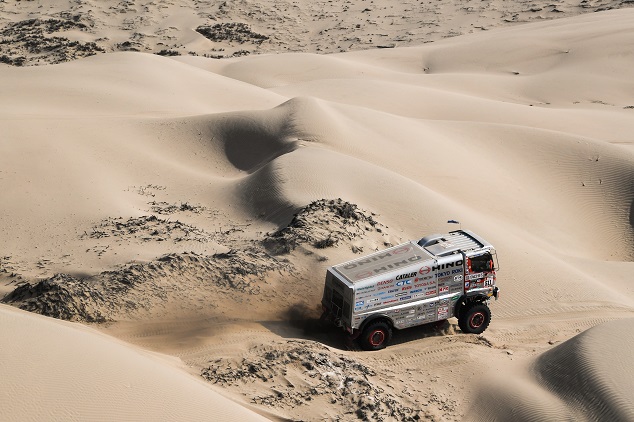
(481, 263)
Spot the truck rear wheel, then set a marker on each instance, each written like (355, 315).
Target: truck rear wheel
(375, 336)
(474, 318)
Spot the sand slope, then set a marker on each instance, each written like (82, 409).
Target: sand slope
(588, 377)
(53, 370)
(162, 191)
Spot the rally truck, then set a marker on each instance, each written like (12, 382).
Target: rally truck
(415, 283)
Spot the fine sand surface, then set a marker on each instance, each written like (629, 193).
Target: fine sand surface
(182, 211)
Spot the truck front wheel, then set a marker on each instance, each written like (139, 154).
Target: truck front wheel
(474, 318)
(375, 336)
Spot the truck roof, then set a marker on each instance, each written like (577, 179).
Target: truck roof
(382, 262)
(447, 244)
(401, 257)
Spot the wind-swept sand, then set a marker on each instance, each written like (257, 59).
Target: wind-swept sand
(190, 206)
(53, 370)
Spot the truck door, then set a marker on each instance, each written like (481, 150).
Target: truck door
(449, 278)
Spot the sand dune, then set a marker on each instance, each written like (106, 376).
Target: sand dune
(194, 204)
(586, 378)
(54, 370)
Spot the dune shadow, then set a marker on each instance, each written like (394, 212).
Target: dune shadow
(248, 146)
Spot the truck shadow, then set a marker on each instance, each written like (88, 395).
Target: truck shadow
(312, 329)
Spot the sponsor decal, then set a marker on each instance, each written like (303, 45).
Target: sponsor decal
(443, 289)
(363, 274)
(390, 301)
(406, 288)
(443, 274)
(359, 303)
(403, 276)
(376, 299)
(405, 298)
(400, 294)
(474, 276)
(466, 285)
(402, 250)
(443, 311)
(419, 295)
(430, 292)
(424, 270)
(393, 290)
(425, 283)
(458, 278)
(383, 282)
(447, 265)
(403, 282)
(416, 291)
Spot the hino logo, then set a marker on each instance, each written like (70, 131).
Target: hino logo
(447, 265)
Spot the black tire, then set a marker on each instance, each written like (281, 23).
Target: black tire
(323, 320)
(474, 318)
(375, 336)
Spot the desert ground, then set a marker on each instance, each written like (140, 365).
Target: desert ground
(177, 176)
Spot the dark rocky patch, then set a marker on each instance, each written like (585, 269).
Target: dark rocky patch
(324, 375)
(149, 228)
(231, 31)
(124, 292)
(323, 224)
(29, 41)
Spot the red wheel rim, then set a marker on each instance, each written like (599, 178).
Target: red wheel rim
(377, 337)
(476, 320)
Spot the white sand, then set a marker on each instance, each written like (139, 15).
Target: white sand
(523, 133)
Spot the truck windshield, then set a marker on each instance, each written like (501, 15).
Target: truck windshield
(482, 263)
